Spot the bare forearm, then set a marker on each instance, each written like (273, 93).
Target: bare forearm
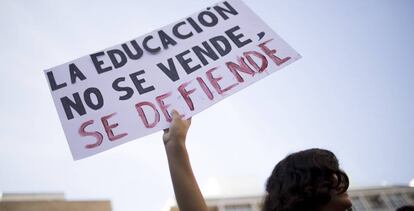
(187, 192)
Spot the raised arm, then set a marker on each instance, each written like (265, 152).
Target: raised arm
(187, 192)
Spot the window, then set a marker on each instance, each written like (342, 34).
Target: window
(376, 202)
(241, 207)
(357, 204)
(411, 196)
(397, 200)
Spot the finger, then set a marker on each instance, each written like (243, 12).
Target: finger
(175, 114)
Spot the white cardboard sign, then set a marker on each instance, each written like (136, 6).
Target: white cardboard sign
(128, 90)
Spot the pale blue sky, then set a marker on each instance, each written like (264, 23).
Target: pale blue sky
(352, 93)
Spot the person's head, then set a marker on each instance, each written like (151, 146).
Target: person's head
(309, 180)
(406, 208)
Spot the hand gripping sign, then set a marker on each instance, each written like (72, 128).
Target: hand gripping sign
(127, 91)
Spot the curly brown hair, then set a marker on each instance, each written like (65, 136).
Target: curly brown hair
(304, 181)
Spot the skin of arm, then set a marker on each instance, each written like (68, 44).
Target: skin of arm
(187, 192)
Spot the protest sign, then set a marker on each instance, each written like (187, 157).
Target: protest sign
(127, 91)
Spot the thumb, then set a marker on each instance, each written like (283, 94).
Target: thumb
(175, 114)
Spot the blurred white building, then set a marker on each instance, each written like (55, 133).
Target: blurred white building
(367, 199)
